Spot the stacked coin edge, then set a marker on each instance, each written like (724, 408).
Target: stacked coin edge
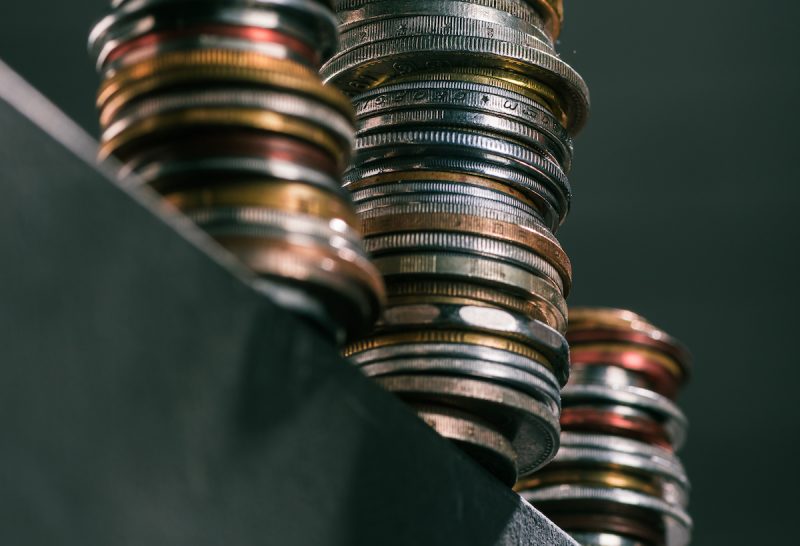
(616, 479)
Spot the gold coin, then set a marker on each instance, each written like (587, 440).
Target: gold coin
(242, 117)
(539, 241)
(603, 478)
(667, 362)
(203, 58)
(550, 310)
(446, 336)
(275, 194)
(604, 317)
(151, 76)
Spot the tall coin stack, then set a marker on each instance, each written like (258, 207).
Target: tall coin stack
(465, 117)
(616, 479)
(218, 105)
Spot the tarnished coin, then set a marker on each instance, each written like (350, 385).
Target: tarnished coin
(528, 424)
(477, 438)
(676, 522)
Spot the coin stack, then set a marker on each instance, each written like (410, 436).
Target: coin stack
(616, 479)
(218, 106)
(465, 117)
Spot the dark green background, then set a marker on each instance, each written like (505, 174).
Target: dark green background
(686, 194)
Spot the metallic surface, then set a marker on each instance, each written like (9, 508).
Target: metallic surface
(464, 122)
(616, 479)
(133, 408)
(219, 107)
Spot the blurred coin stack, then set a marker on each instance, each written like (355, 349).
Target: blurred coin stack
(218, 106)
(616, 479)
(465, 117)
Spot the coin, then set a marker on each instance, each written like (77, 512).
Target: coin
(480, 440)
(465, 116)
(219, 107)
(526, 422)
(617, 474)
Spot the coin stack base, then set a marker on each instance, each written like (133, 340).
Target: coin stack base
(465, 119)
(616, 479)
(219, 107)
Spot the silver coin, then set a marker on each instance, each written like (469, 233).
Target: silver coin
(471, 268)
(364, 67)
(608, 450)
(464, 119)
(615, 443)
(506, 14)
(401, 25)
(521, 9)
(661, 407)
(335, 233)
(446, 202)
(677, 523)
(476, 369)
(401, 187)
(481, 441)
(617, 409)
(223, 225)
(538, 335)
(471, 144)
(307, 20)
(667, 469)
(446, 89)
(458, 350)
(613, 376)
(553, 207)
(530, 425)
(604, 539)
(416, 241)
(151, 171)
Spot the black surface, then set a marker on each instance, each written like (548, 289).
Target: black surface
(148, 395)
(686, 194)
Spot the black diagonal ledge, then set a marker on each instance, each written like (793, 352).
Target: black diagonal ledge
(150, 395)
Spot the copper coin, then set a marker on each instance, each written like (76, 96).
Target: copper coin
(253, 34)
(237, 143)
(658, 378)
(607, 422)
(649, 533)
(663, 343)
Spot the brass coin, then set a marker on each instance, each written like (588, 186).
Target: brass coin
(604, 478)
(286, 196)
(669, 363)
(551, 308)
(241, 117)
(540, 242)
(447, 336)
(117, 91)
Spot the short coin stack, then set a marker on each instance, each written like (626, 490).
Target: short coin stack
(218, 106)
(616, 479)
(465, 117)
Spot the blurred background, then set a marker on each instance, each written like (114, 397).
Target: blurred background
(687, 191)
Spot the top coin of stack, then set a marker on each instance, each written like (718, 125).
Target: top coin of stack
(465, 117)
(218, 105)
(616, 479)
